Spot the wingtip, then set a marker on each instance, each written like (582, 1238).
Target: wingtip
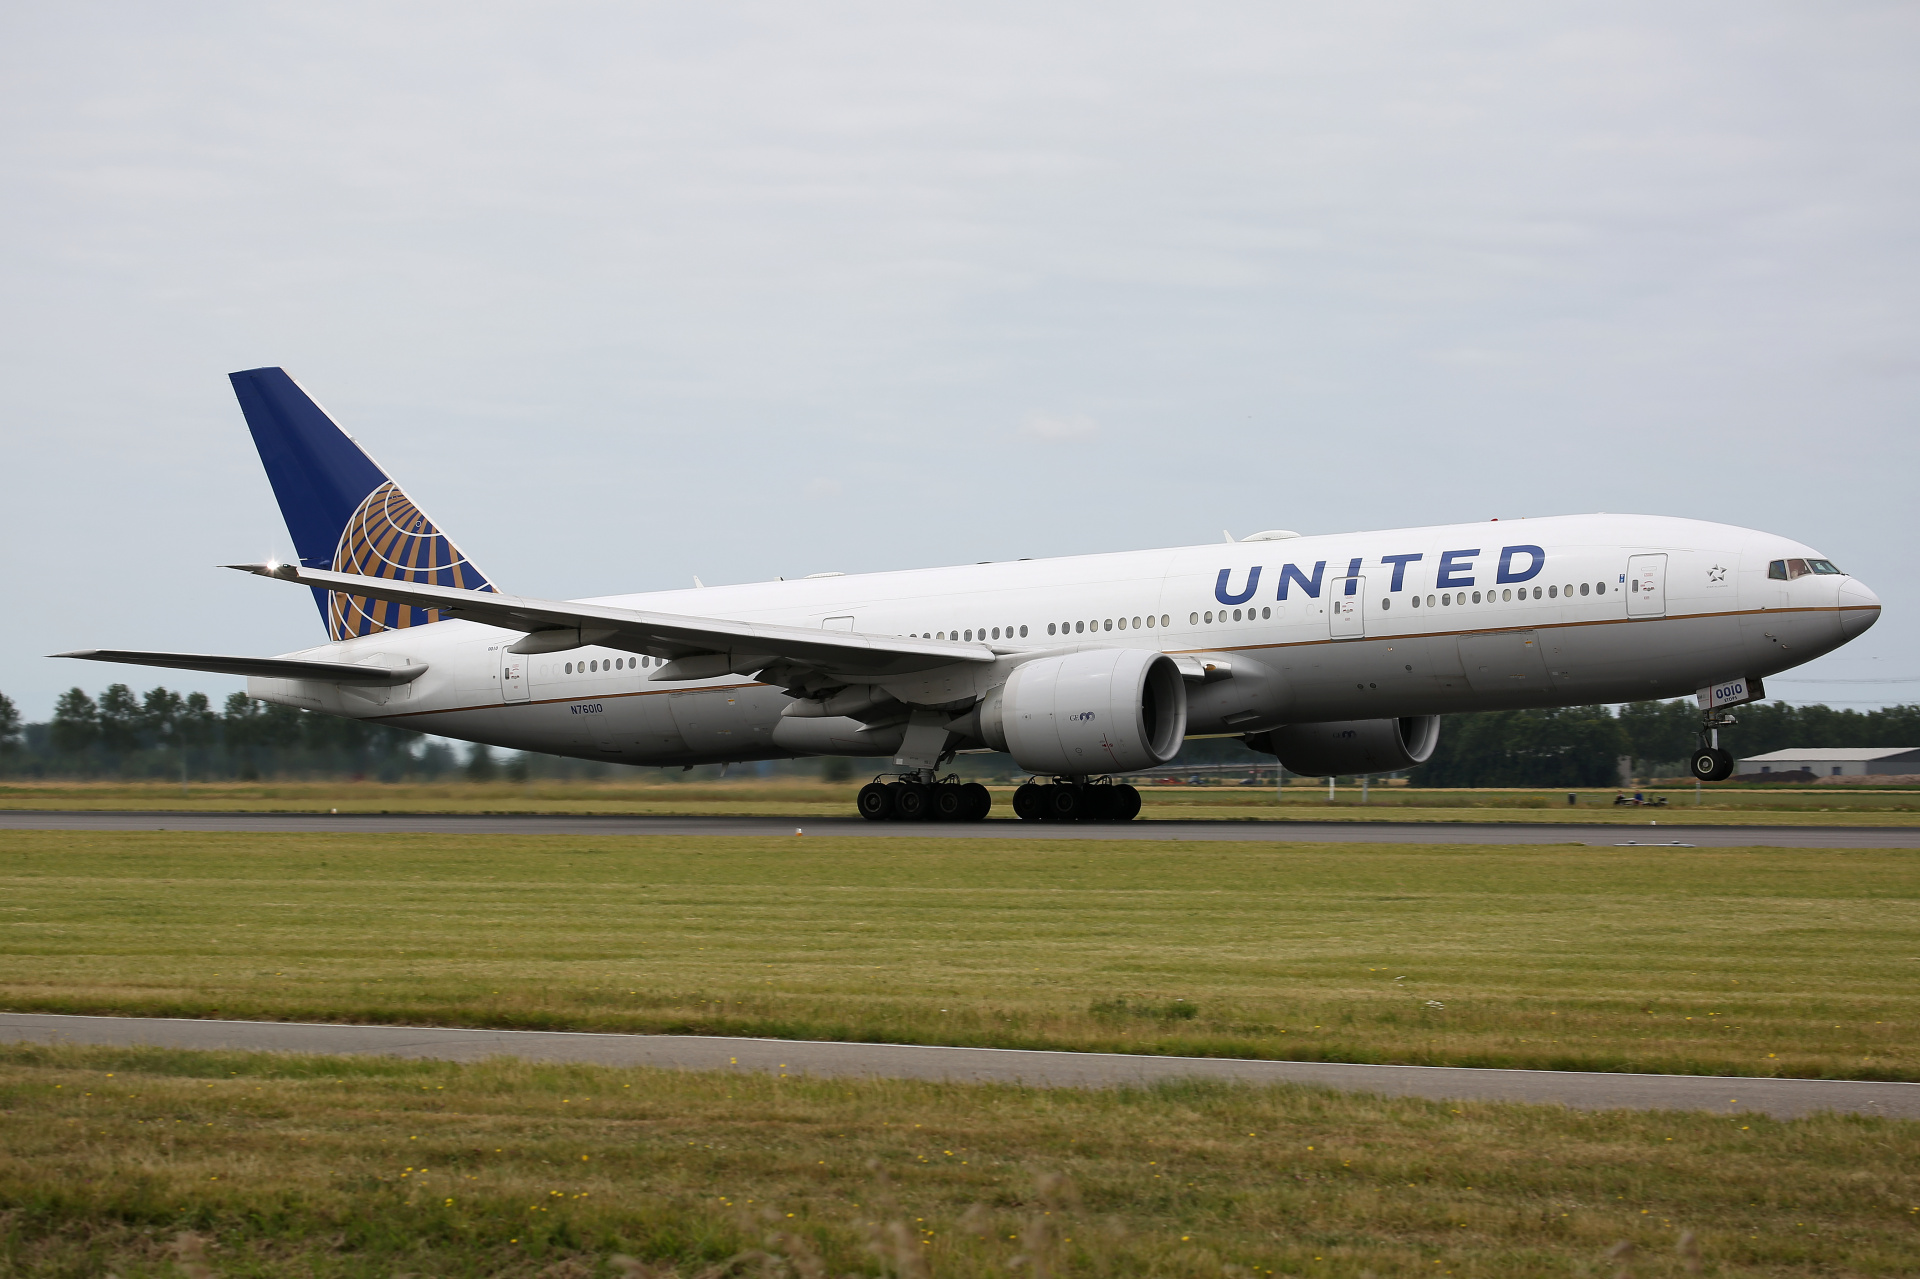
(78, 652)
(271, 568)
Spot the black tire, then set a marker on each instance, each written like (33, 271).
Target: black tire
(1096, 804)
(894, 791)
(1711, 764)
(979, 801)
(914, 803)
(951, 803)
(1064, 804)
(874, 803)
(1030, 802)
(1126, 803)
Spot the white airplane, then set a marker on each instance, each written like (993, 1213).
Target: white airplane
(1337, 654)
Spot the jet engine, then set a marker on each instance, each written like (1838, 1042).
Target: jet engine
(1109, 710)
(1351, 746)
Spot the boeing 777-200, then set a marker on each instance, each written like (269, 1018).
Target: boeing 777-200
(1338, 654)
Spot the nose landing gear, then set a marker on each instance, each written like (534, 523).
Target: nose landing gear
(1708, 762)
(1068, 799)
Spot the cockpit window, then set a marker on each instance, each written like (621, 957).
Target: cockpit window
(1777, 571)
(1824, 566)
(1797, 568)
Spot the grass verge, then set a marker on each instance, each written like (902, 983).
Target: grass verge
(648, 795)
(282, 1165)
(1693, 961)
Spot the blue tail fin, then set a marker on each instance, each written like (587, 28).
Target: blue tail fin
(344, 513)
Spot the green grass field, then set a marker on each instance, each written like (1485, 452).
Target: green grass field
(1734, 961)
(141, 1163)
(652, 794)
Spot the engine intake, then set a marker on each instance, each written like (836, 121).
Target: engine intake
(1351, 746)
(1110, 710)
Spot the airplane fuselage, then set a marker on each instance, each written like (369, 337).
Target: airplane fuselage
(1561, 611)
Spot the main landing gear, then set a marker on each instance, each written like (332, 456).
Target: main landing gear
(1068, 800)
(912, 798)
(1709, 763)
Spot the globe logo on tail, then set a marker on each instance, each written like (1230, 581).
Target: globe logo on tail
(388, 536)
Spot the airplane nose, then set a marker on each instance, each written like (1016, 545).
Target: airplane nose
(1859, 607)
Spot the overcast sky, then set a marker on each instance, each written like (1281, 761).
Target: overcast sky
(628, 293)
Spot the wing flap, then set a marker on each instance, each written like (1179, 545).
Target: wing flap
(261, 667)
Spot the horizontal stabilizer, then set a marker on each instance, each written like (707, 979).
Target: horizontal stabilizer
(263, 667)
(744, 646)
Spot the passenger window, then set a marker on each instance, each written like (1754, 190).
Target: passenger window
(1599, 588)
(1163, 620)
(1109, 624)
(1208, 617)
(1553, 592)
(1079, 627)
(1136, 623)
(1236, 614)
(569, 668)
(1583, 588)
(1265, 613)
(1193, 619)
(1385, 603)
(1536, 592)
(1023, 632)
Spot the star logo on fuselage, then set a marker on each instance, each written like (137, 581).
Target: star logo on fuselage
(1717, 574)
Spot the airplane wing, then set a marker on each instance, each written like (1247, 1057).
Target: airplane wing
(266, 667)
(694, 647)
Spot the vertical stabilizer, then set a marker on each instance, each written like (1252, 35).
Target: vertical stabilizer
(343, 511)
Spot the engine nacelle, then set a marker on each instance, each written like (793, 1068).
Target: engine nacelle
(1352, 746)
(1109, 710)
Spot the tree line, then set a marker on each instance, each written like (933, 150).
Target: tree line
(163, 733)
(1581, 745)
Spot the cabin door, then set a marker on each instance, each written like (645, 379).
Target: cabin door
(1647, 586)
(1347, 607)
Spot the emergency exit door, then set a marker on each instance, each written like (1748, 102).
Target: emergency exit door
(1647, 586)
(1347, 607)
(513, 676)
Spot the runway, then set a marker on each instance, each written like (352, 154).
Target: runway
(1779, 1098)
(1653, 831)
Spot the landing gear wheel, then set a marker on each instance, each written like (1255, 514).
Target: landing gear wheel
(1030, 802)
(1097, 804)
(1711, 764)
(874, 803)
(913, 803)
(950, 804)
(1126, 803)
(979, 801)
(1064, 803)
(894, 791)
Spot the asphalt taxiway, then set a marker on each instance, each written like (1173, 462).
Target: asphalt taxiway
(1650, 832)
(1584, 1090)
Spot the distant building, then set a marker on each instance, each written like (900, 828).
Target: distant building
(1846, 761)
